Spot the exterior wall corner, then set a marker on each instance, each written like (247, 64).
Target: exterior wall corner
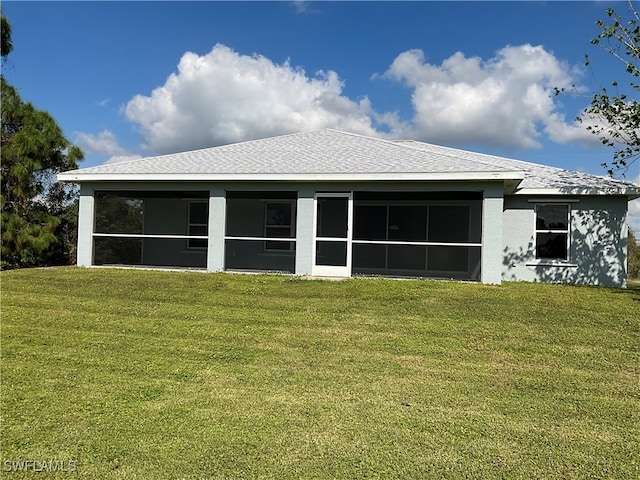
(492, 228)
(86, 208)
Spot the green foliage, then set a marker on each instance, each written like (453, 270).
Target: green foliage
(32, 204)
(617, 113)
(7, 44)
(38, 215)
(633, 256)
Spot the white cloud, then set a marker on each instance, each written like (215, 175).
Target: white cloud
(225, 97)
(561, 132)
(633, 216)
(506, 101)
(103, 143)
(300, 6)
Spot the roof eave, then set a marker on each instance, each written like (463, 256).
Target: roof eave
(630, 192)
(76, 177)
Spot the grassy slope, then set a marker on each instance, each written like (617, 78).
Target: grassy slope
(139, 374)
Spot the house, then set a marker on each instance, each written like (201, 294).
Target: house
(330, 203)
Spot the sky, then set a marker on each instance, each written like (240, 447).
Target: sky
(135, 79)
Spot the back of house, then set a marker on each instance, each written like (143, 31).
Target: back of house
(331, 203)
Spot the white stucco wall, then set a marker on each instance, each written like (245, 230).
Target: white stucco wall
(598, 242)
(86, 213)
(492, 228)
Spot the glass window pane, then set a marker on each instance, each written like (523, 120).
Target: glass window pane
(370, 222)
(331, 253)
(197, 230)
(278, 232)
(551, 246)
(278, 214)
(332, 217)
(448, 223)
(552, 217)
(408, 223)
(198, 212)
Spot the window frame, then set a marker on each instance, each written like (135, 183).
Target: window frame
(190, 245)
(286, 241)
(552, 231)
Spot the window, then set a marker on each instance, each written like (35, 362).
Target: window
(278, 224)
(198, 213)
(552, 231)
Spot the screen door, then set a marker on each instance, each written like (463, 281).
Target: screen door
(332, 239)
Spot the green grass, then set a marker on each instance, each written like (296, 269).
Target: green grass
(141, 374)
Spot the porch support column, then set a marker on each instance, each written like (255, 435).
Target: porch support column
(304, 231)
(217, 221)
(84, 253)
(492, 218)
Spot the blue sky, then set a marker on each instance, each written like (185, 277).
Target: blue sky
(127, 79)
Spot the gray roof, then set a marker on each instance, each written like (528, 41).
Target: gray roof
(536, 176)
(334, 155)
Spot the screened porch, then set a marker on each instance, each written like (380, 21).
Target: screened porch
(260, 231)
(417, 234)
(402, 234)
(151, 228)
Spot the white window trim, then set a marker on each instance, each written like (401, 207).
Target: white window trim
(291, 227)
(551, 261)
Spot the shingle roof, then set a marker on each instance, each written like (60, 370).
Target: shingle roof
(330, 154)
(536, 176)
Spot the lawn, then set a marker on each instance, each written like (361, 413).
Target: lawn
(153, 375)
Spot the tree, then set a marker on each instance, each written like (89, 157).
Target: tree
(618, 116)
(7, 45)
(633, 255)
(34, 208)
